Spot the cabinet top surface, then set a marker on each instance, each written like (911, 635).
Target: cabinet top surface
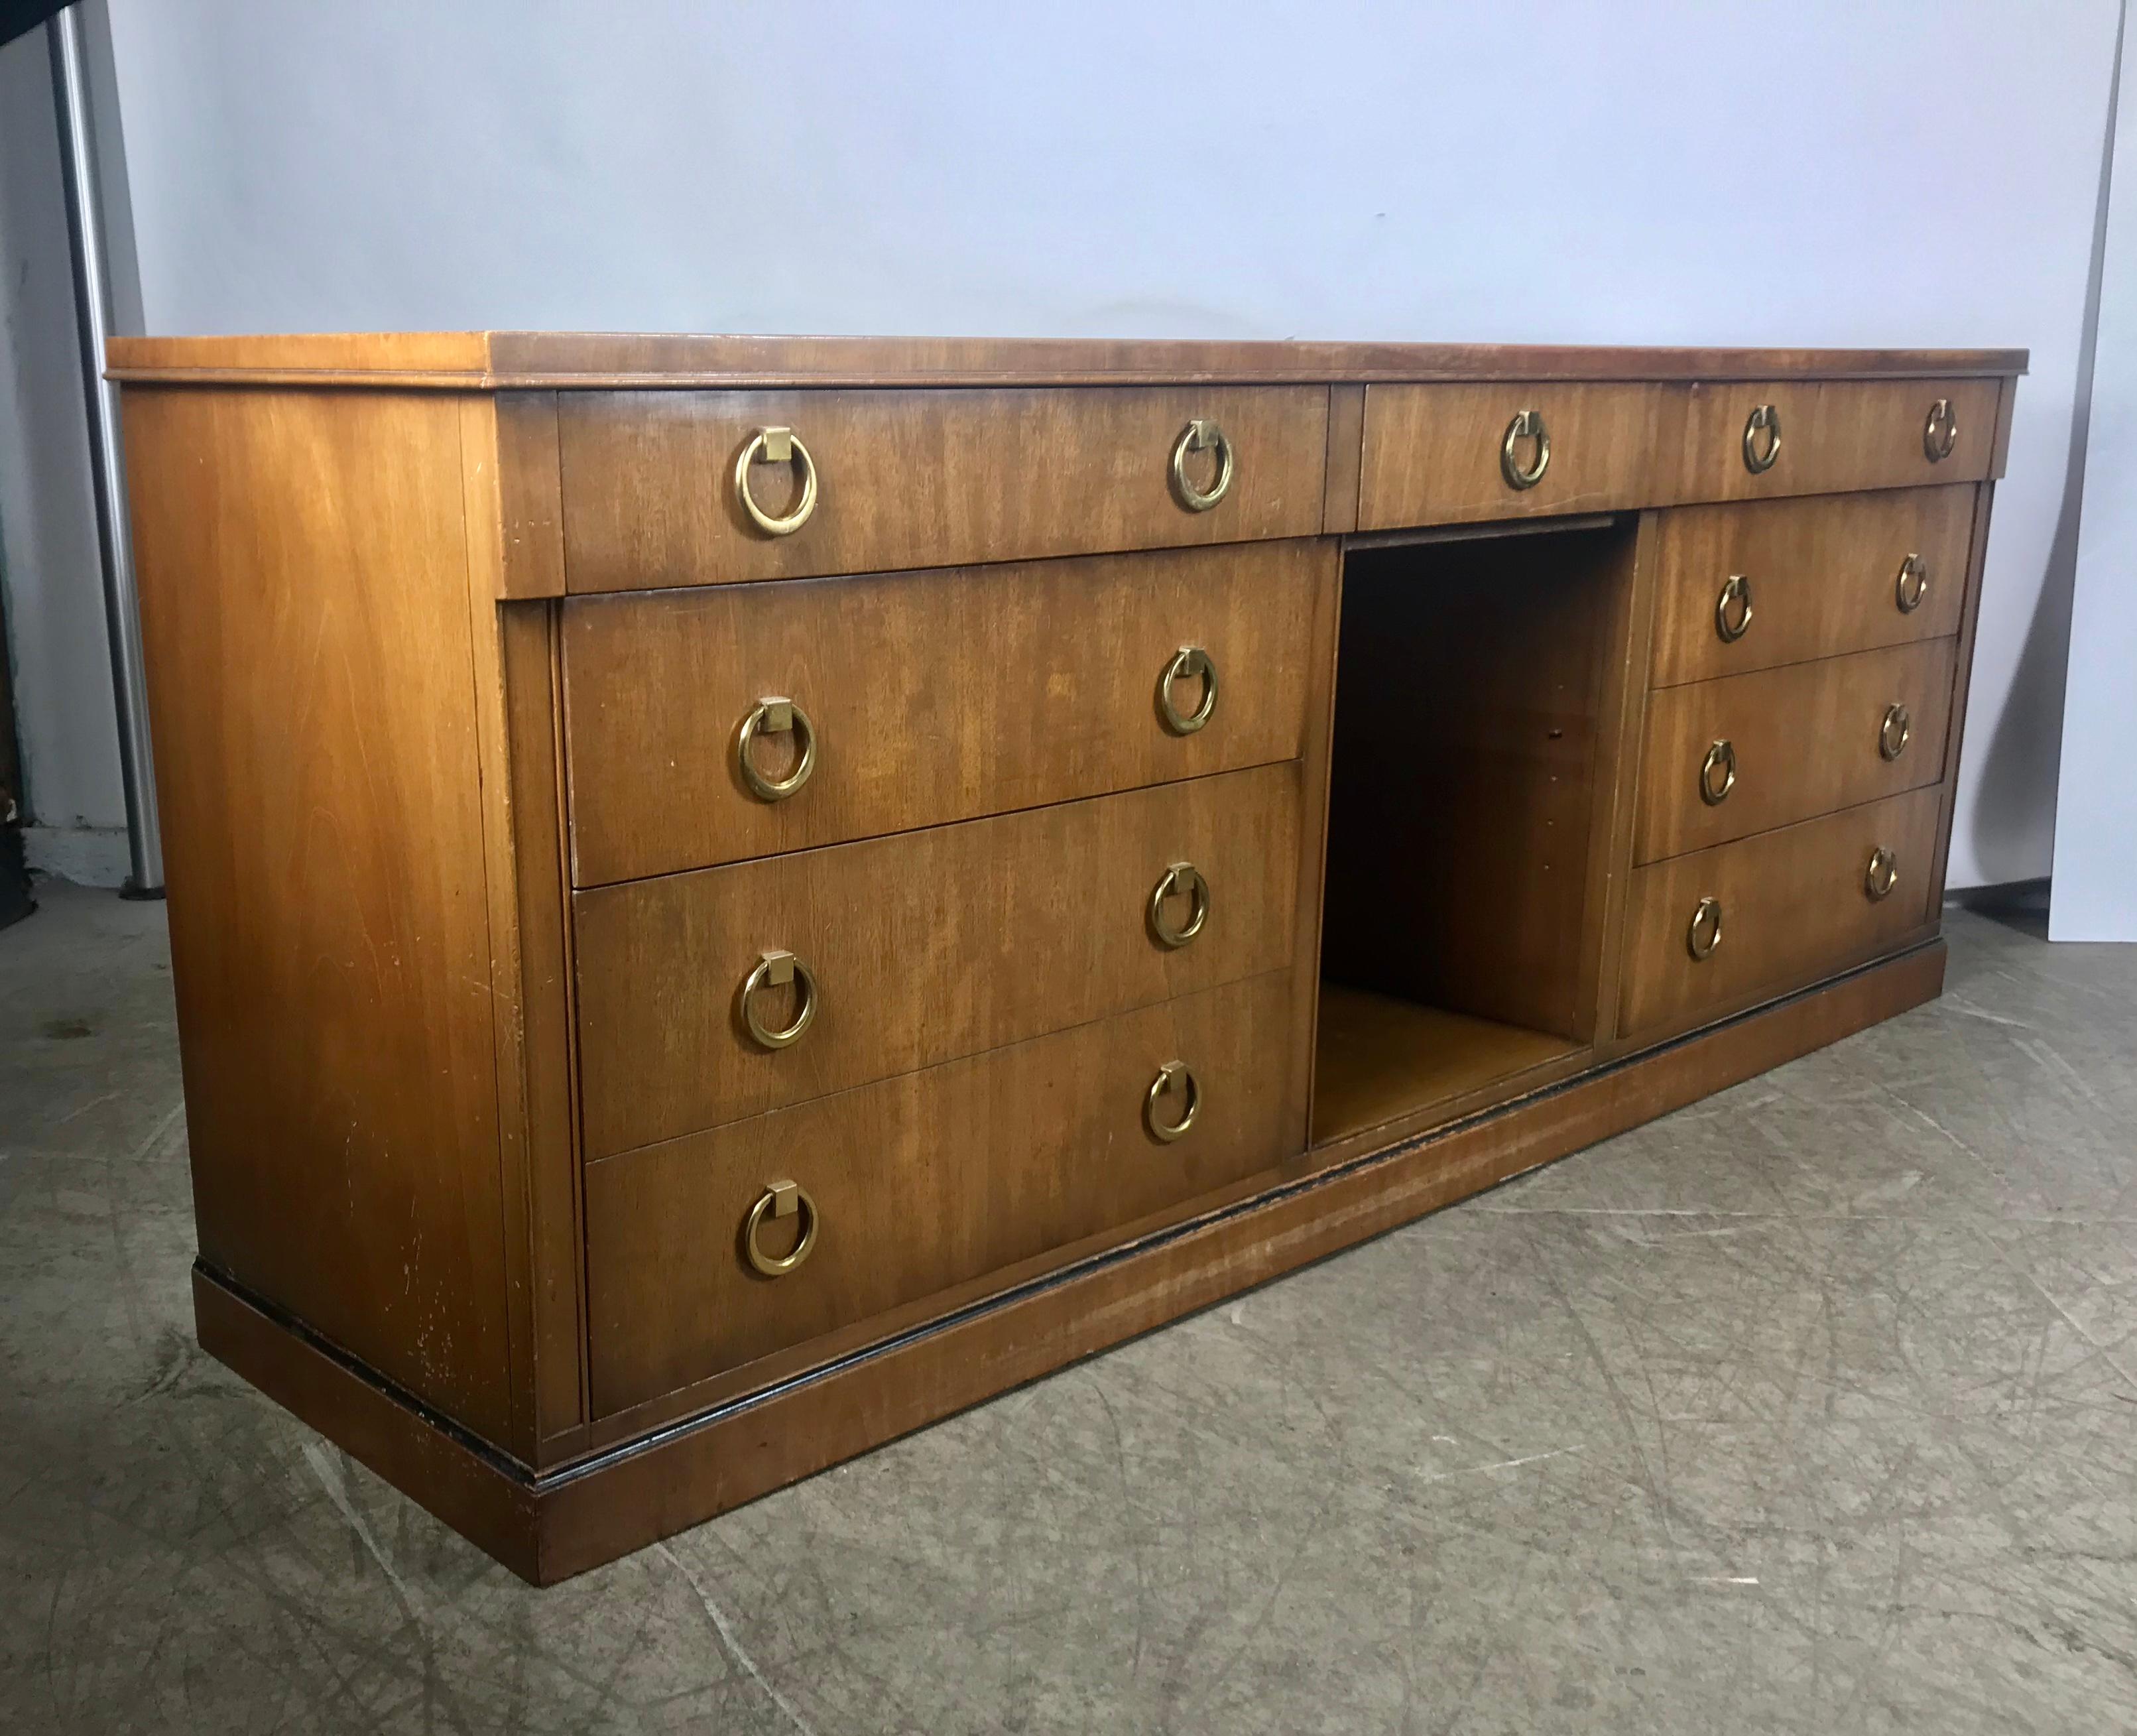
(493, 360)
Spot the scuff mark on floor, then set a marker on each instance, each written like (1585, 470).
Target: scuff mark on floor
(734, 1646)
(1463, 1471)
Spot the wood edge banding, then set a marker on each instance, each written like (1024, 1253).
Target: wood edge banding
(491, 361)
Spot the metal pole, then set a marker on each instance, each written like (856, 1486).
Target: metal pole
(92, 301)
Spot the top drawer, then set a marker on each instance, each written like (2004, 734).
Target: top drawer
(1442, 455)
(677, 488)
(1747, 441)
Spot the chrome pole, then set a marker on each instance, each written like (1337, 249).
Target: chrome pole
(92, 301)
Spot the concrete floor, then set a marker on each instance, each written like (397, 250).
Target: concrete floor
(1811, 1408)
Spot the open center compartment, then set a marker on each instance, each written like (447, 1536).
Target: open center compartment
(1469, 817)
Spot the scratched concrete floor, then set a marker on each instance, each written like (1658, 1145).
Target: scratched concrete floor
(1809, 1409)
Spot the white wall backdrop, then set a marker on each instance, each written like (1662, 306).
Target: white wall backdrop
(1802, 173)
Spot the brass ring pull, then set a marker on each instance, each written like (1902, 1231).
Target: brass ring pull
(1764, 418)
(1186, 663)
(1173, 1073)
(1939, 432)
(776, 446)
(1721, 758)
(1200, 436)
(1732, 609)
(1526, 425)
(776, 970)
(1705, 932)
(775, 715)
(1882, 875)
(1895, 732)
(1180, 877)
(781, 1199)
(1912, 586)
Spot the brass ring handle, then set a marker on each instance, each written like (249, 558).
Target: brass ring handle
(1732, 609)
(776, 446)
(1881, 876)
(1201, 435)
(776, 970)
(1705, 933)
(775, 715)
(1764, 418)
(1939, 432)
(1721, 758)
(1180, 877)
(1526, 425)
(1911, 585)
(1172, 1073)
(781, 1199)
(1895, 732)
(1185, 663)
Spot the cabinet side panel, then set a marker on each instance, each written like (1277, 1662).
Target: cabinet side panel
(1961, 684)
(303, 585)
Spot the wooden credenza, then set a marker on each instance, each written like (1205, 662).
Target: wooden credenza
(730, 897)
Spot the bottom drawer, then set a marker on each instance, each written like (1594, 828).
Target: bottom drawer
(1789, 906)
(921, 1182)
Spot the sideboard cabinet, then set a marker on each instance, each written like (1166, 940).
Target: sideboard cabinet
(731, 897)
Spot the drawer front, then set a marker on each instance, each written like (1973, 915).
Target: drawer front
(1794, 907)
(1783, 744)
(1822, 576)
(653, 495)
(923, 948)
(1440, 455)
(926, 697)
(923, 1183)
(1834, 435)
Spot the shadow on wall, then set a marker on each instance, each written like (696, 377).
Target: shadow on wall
(2020, 768)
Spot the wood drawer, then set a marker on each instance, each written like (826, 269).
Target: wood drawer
(1835, 435)
(931, 696)
(1794, 908)
(924, 1182)
(924, 948)
(1803, 740)
(925, 478)
(1823, 577)
(1436, 455)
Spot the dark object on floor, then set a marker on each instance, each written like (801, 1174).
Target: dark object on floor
(15, 901)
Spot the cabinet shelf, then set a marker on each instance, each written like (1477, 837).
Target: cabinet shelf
(1381, 1059)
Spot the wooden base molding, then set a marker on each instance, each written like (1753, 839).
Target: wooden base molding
(549, 1526)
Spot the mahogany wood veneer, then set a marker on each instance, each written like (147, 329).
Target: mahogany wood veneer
(732, 896)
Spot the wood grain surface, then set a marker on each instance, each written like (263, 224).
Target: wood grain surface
(925, 1181)
(1806, 741)
(304, 598)
(1793, 906)
(750, 1447)
(921, 478)
(548, 1527)
(1380, 1059)
(925, 947)
(1823, 575)
(933, 696)
(1464, 794)
(570, 359)
(1432, 454)
(1835, 435)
